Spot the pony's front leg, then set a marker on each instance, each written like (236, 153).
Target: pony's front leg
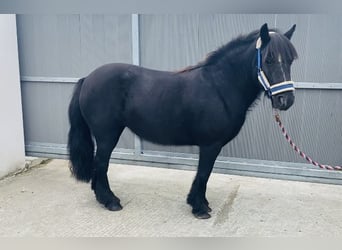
(196, 197)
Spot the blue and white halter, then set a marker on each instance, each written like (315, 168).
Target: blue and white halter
(277, 88)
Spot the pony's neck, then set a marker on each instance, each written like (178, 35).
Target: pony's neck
(237, 69)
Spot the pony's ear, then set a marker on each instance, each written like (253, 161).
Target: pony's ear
(289, 33)
(264, 34)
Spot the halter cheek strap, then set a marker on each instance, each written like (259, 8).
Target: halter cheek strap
(274, 89)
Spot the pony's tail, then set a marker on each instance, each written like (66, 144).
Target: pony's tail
(80, 142)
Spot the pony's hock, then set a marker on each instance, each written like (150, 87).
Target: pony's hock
(203, 105)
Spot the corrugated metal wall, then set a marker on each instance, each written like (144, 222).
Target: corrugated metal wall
(186, 39)
(55, 50)
(60, 46)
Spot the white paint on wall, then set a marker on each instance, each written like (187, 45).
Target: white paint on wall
(12, 153)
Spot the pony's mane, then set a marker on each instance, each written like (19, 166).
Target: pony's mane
(278, 44)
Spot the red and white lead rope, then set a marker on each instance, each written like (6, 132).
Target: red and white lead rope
(288, 138)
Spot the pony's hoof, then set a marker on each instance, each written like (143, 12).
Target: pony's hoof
(202, 215)
(114, 206)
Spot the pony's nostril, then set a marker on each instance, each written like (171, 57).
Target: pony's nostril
(282, 100)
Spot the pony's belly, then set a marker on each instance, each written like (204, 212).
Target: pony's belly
(165, 135)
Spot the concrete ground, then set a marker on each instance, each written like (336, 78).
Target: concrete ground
(46, 201)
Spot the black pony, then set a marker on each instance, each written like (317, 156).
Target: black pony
(203, 105)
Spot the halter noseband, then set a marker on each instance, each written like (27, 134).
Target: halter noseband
(277, 88)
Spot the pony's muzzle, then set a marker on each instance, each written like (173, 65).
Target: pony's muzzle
(283, 101)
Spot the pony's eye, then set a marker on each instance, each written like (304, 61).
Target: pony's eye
(269, 60)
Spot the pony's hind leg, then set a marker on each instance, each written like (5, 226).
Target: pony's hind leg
(105, 145)
(196, 197)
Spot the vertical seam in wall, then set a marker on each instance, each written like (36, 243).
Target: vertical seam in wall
(135, 40)
(136, 61)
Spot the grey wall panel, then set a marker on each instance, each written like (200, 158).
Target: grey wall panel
(216, 30)
(186, 39)
(45, 111)
(299, 39)
(49, 45)
(170, 42)
(105, 39)
(72, 45)
(329, 133)
(318, 39)
(65, 46)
